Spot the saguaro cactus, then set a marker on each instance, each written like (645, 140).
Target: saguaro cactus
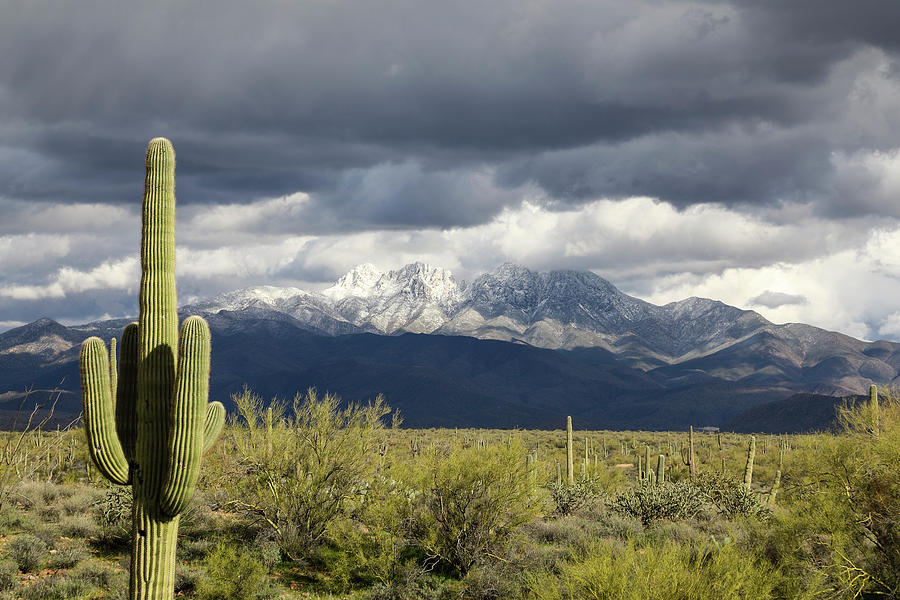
(153, 434)
(748, 470)
(570, 467)
(661, 469)
(873, 408)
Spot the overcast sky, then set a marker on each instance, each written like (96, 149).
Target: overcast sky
(743, 150)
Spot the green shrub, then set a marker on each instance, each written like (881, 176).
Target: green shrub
(186, 579)
(67, 556)
(96, 574)
(233, 573)
(667, 572)
(730, 496)
(27, 551)
(569, 498)
(58, 587)
(8, 574)
(79, 526)
(114, 516)
(650, 503)
(308, 470)
(470, 501)
(376, 536)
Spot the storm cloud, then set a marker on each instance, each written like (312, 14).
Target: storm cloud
(311, 136)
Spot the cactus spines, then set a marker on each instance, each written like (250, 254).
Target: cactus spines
(155, 433)
(570, 467)
(661, 469)
(748, 470)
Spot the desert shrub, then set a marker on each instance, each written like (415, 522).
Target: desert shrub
(79, 526)
(667, 572)
(80, 501)
(730, 496)
(413, 584)
(67, 556)
(488, 582)
(266, 543)
(304, 474)
(233, 573)
(845, 505)
(650, 503)
(114, 516)
(50, 514)
(58, 587)
(8, 572)
(375, 538)
(569, 498)
(27, 551)
(95, 574)
(470, 501)
(186, 579)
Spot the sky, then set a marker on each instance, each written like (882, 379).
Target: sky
(742, 150)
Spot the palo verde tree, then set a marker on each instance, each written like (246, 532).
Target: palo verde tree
(152, 434)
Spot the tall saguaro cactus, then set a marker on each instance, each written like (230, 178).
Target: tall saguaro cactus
(570, 450)
(152, 434)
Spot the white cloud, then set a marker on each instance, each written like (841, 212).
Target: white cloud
(120, 275)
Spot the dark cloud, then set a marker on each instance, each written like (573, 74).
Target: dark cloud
(741, 103)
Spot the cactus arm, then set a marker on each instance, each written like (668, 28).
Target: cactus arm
(126, 392)
(214, 422)
(99, 422)
(186, 417)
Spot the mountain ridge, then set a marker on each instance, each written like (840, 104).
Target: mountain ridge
(696, 361)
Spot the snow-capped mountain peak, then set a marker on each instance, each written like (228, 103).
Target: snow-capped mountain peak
(359, 281)
(260, 295)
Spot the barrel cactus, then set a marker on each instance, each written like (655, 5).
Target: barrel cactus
(148, 422)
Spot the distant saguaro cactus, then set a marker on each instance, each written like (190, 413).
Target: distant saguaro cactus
(570, 450)
(873, 408)
(661, 469)
(748, 470)
(776, 485)
(687, 454)
(153, 434)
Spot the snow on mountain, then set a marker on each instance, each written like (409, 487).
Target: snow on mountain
(556, 309)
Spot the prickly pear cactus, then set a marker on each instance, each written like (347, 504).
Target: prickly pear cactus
(148, 422)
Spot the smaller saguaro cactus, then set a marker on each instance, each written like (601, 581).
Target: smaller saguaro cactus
(687, 454)
(570, 467)
(661, 469)
(775, 487)
(751, 454)
(873, 408)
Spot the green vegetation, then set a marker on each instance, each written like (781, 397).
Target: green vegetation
(316, 499)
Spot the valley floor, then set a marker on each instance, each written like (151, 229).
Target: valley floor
(323, 502)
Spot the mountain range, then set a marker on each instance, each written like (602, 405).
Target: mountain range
(513, 348)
